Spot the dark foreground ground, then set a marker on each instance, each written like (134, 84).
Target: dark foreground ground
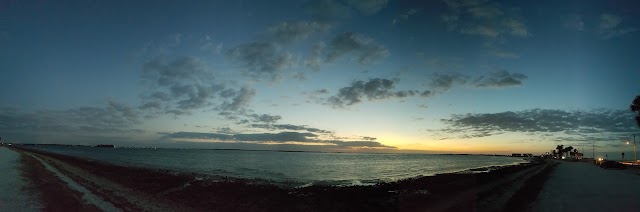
(510, 188)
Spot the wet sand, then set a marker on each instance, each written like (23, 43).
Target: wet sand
(139, 189)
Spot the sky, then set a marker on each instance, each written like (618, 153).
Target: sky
(469, 76)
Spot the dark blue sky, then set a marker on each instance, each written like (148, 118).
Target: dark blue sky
(379, 75)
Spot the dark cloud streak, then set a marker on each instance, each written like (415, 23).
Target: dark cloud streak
(374, 89)
(579, 124)
(281, 137)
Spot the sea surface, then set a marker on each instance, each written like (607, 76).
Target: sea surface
(292, 168)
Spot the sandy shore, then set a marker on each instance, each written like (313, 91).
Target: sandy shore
(138, 189)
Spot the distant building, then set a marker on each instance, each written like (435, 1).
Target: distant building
(106, 145)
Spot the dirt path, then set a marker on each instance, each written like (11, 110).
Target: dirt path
(13, 193)
(113, 194)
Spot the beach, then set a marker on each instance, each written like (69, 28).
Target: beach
(141, 189)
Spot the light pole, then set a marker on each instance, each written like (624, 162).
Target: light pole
(634, 148)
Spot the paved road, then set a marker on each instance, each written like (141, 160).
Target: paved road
(13, 195)
(578, 186)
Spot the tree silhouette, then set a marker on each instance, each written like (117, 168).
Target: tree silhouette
(574, 153)
(568, 149)
(635, 107)
(560, 148)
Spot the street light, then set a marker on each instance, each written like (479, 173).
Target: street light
(634, 148)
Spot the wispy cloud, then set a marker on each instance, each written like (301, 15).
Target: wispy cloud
(373, 89)
(281, 137)
(268, 56)
(262, 59)
(365, 49)
(609, 26)
(265, 118)
(289, 32)
(406, 15)
(500, 78)
(327, 10)
(574, 22)
(186, 84)
(112, 120)
(443, 81)
(290, 127)
(577, 125)
(368, 7)
(483, 18)
(314, 61)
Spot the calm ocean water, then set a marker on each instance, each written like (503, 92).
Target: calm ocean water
(303, 168)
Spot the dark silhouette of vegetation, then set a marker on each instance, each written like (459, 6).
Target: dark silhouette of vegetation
(562, 151)
(560, 148)
(568, 149)
(635, 107)
(574, 153)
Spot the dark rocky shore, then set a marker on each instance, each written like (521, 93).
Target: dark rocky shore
(496, 189)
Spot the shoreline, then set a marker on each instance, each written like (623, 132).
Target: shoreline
(180, 190)
(296, 178)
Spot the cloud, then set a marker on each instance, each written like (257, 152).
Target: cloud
(151, 105)
(487, 19)
(186, 84)
(290, 127)
(281, 137)
(500, 78)
(445, 64)
(327, 10)
(197, 135)
(365, 48)
(262, 59)
(500, 53)
(374, 89)
(369, 138)
(268, 57)
(187, 68)
(265, 118)
(208, 45)
(240, 100)
(276, 137)
(406, 15)
(322, 91)
(112, 120)
(360, 144)
(315, 59)
(289, 32)
(368, 7)
(444, 81)
(574, 22)
(610, 26)
(577, 124)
